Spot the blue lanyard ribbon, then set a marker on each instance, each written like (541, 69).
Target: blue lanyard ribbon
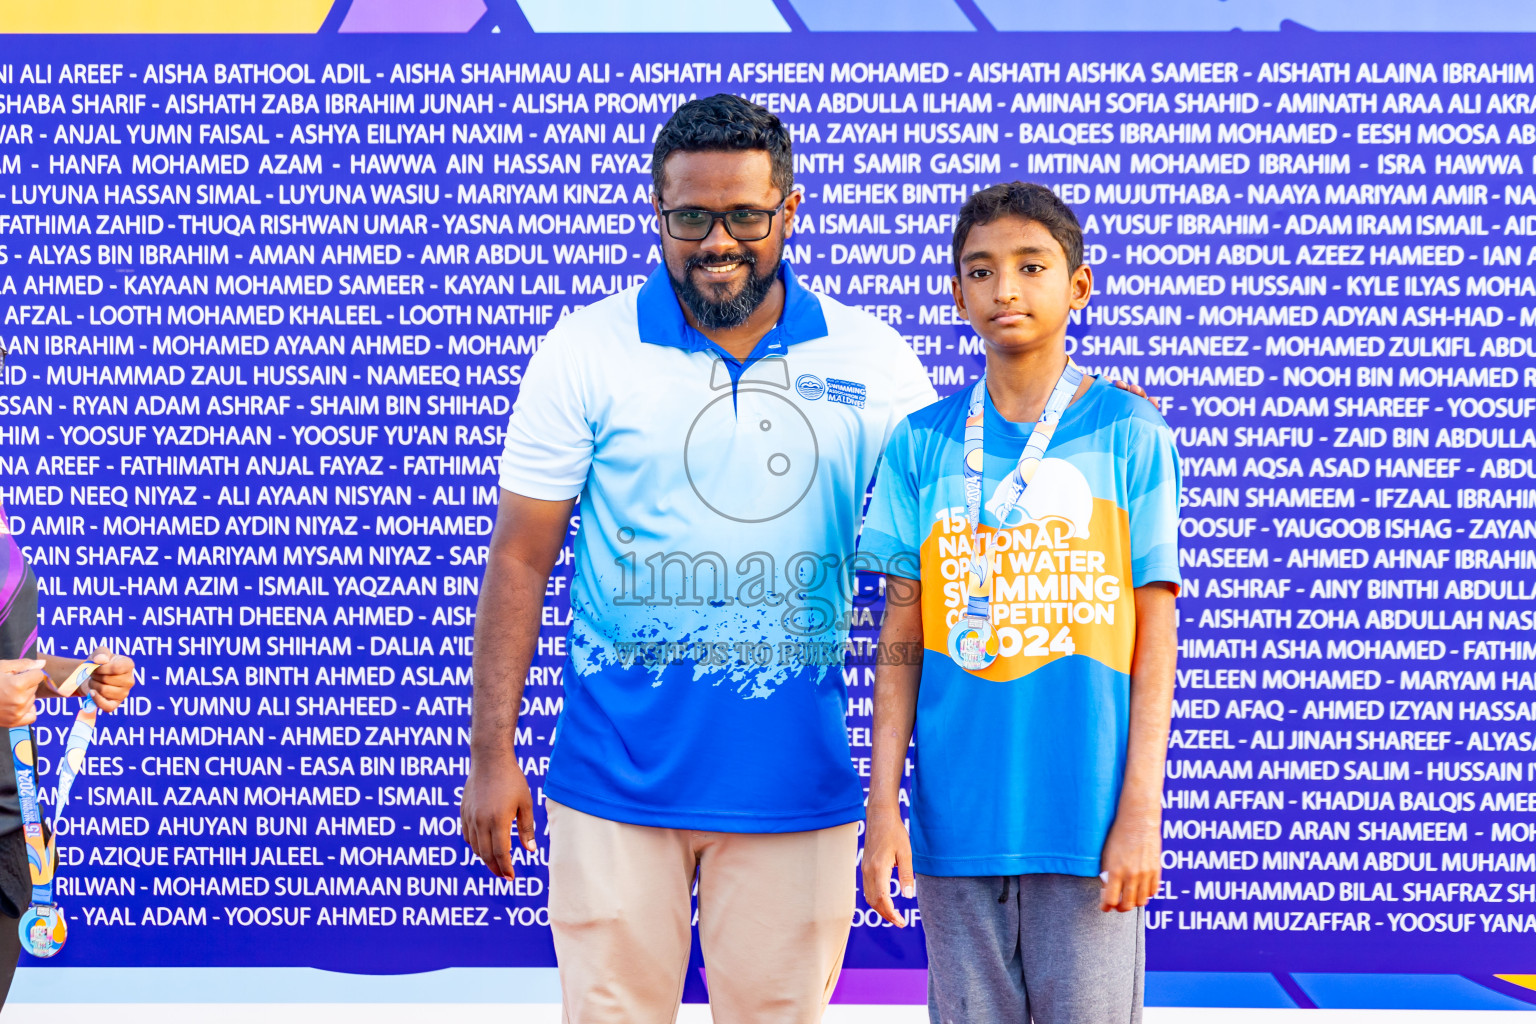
(42, 927)
(1010, 492)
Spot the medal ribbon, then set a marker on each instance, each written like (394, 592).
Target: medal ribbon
(1010, 492)
(42, 851)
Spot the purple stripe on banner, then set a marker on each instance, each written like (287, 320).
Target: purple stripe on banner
(413, 15)
(882, 987)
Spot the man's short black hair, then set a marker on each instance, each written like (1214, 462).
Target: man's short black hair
(722, 123)
(1026, 201)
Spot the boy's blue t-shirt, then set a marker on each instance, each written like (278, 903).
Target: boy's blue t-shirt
(1019, 766)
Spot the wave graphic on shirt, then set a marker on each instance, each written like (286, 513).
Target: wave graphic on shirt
(1057, 490)
(753, 667)
(1060, 579)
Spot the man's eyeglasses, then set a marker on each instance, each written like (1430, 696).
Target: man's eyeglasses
(742, 225)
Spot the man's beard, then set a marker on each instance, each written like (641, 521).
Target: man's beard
(713, 314)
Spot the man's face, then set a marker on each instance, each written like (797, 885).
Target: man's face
(1015, 286)
(720, 280)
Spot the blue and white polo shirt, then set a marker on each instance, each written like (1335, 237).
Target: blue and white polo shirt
(720, 509)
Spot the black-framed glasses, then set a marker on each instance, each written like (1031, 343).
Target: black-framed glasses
(742, 225)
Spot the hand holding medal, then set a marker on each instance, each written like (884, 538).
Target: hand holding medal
(42, 927)
(110, 680)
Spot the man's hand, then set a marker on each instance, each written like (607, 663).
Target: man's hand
(1137, 389)
(1132, 863)
(19, 681)
(110, 683)
(887, 845)
(496, 796)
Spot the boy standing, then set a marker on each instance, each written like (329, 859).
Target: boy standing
(1029, 531)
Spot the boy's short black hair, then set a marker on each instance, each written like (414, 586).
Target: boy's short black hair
(722, 123)
(1027, 201)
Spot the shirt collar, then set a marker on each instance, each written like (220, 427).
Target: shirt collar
(662, 321)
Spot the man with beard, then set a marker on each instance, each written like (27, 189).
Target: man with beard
(720, 424)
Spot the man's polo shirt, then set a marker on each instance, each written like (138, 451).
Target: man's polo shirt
(720, 508)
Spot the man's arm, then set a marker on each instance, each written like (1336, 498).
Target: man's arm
(897, 674)
(1132, 858)
(527, 540)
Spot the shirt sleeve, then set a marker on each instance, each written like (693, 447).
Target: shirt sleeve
(890, 542)
(1153, 490)
(549, 437)
(914, 390)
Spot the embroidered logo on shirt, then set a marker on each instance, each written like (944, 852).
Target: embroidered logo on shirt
(810, 387)
(846, 392)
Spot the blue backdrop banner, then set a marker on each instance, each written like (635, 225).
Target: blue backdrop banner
(269, 291)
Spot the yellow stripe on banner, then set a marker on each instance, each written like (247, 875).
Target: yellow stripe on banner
(162, 16)
(1523, 980)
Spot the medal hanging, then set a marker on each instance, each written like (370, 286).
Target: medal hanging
(42, 927)
(972, 641)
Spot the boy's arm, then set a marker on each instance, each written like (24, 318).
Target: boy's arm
(897, 673)
(1132, 858)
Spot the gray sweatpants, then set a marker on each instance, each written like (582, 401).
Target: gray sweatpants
(1015, 949)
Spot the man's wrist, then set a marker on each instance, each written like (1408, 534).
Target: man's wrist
(492, 750)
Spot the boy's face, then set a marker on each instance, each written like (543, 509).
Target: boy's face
(1015, 286)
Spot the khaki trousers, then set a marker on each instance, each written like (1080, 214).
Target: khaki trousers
(774, 914)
